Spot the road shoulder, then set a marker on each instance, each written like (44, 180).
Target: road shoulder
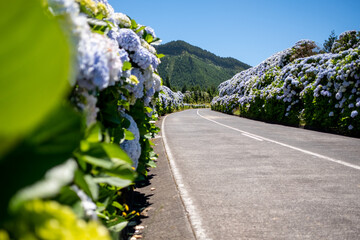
(165, 216)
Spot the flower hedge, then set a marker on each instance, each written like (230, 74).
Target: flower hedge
(169, 101)
(87, 85)
(300, 86)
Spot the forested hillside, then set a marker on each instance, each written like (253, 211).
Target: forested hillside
(188, 66)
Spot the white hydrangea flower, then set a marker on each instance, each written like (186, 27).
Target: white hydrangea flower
(122, 20)
(146, 45)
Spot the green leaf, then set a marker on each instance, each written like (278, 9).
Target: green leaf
(35, 68)
(52, 143)
(99, 162)
(94, 188)
(122, 171)
(110, 24)
(151, 164)
(149, 110)
(101, 215)
(149, 38)
(67, 196)
(114, 181)
(129, 135)
(160, 55)
(118, 205)
(94, 133)
(126, 66)
(133, 24)
(86, 183)
(140, 29)
(124, 104)
(110, 114)
(117, 155)
(148, 135)
(118, 226)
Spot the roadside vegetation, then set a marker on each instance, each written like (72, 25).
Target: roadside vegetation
(301, 86)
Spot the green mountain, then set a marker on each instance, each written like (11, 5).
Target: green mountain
(185, 64)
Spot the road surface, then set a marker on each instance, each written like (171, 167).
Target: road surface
(245, 179)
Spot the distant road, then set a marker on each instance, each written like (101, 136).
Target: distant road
(244, 179)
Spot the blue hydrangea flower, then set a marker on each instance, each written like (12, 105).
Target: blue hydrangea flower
(142, 57)
(101, 70)
(124, 56)
(354, 113)
(113, 34)
(132, 147)
(155, 61)
(128, 39)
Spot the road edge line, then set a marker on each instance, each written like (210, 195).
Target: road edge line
(193, 217)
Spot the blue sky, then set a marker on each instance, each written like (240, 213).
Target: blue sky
(249, 31)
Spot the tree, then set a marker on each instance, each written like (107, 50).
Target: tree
(167, 82)
(184, 88)
(329, 42)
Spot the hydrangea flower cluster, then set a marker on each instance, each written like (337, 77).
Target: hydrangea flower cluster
(322, 90)
(101, 56)
(170, 99)
(132, 147)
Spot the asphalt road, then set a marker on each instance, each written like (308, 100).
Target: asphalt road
(244, 179)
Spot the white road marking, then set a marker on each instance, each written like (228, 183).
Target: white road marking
(250, 136)
(285, 145)
(195, 219)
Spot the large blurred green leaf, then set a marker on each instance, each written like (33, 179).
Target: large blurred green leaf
(34, 68)
(55, 178)
(49, 145)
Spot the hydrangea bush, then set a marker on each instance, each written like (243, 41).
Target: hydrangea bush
(300, 86)
(114, 87)
(169, 101)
